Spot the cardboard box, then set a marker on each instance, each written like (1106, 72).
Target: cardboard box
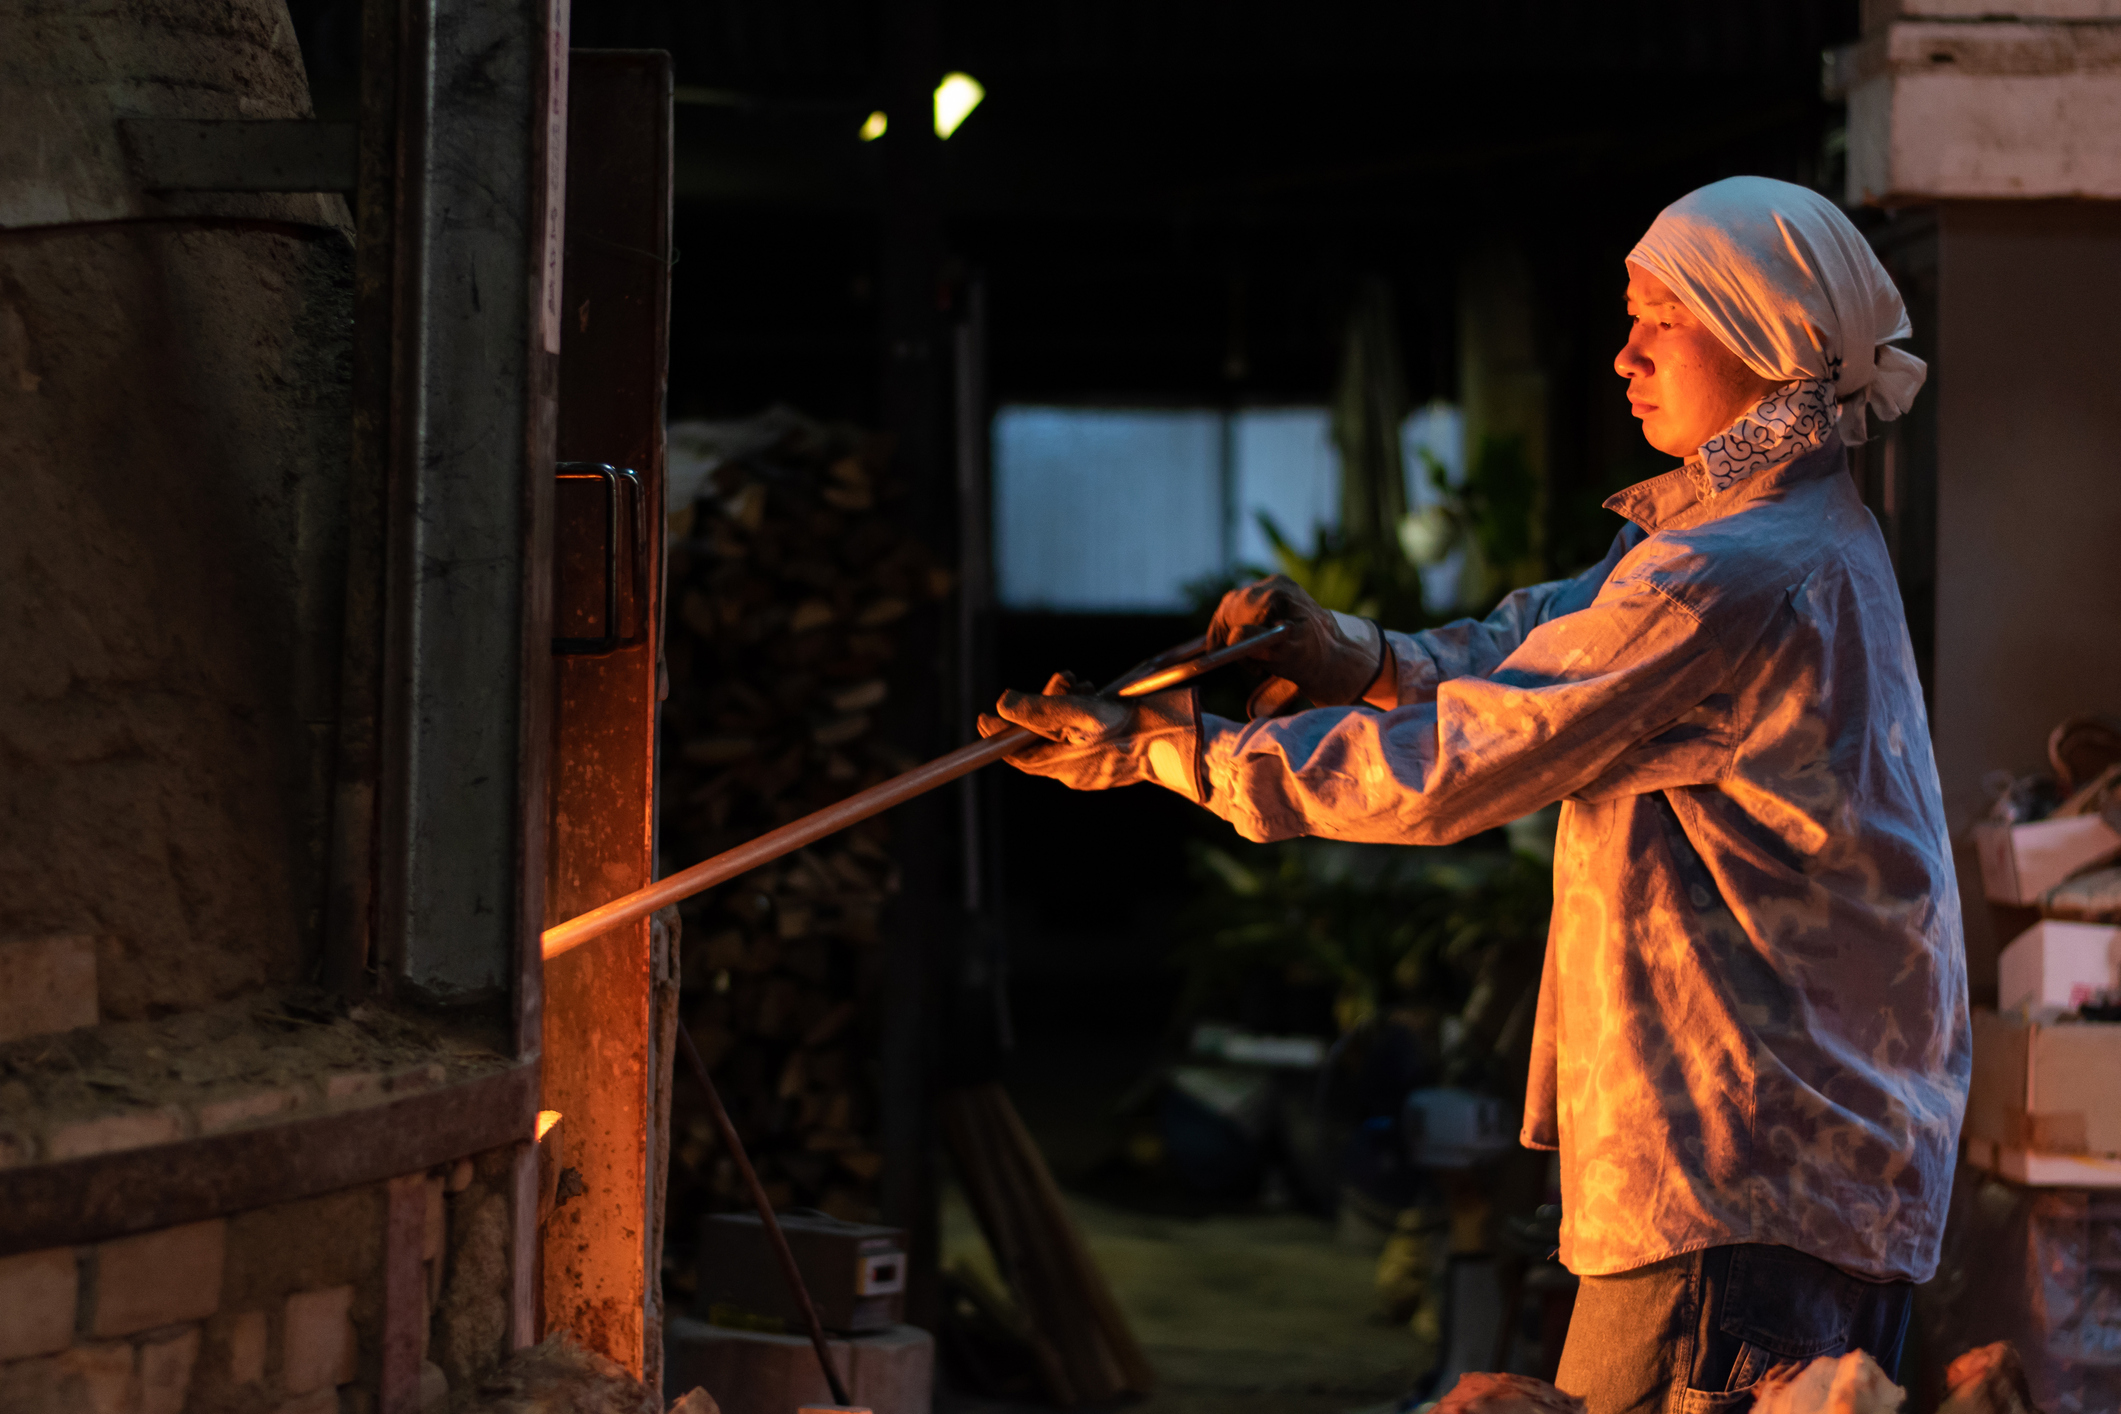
(2036, 1170)
(2045, 1089)
(2054, 967)
(2021, 862)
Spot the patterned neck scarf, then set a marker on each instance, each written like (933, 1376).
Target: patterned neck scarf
(1787, 423)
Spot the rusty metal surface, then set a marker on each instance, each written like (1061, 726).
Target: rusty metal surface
(139, 1190)
(599, 1021)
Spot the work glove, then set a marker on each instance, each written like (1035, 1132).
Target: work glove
(1097, 743)
(1330, 657)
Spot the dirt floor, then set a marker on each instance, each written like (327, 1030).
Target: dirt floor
(1245, 1313)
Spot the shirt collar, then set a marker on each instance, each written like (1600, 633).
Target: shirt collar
(1791, 420)
(1678, 500)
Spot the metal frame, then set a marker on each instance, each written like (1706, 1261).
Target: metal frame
(447, 698)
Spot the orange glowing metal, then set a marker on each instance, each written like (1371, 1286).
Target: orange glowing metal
(1167, 669)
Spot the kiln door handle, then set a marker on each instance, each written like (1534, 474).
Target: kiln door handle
(614, 477)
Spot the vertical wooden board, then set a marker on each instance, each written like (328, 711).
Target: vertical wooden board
(598, 1012)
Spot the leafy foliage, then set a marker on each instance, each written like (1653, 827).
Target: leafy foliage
(1355, 579)
(1386, 926)
(1493, 518)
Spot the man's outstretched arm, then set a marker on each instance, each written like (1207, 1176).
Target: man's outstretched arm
(1580, 692)
(1419, 663)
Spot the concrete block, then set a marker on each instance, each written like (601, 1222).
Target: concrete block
(749, 1372)
(217, 1115)
(1990, 110)
(134, 1129)
(165, 1371)
(894, 1370)
(159, 1278)
(46, 984)
(891, 1371)
(246, 1348)
(37, 1302)
(317, 1340)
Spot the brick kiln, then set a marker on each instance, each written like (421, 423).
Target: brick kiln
(331, 681)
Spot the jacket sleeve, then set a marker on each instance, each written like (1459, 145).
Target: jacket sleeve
(1578, 693)
(1476, 647)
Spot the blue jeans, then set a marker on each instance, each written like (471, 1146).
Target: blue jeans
(1693, 1334)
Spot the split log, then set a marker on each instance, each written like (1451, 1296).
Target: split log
(1085, 1349)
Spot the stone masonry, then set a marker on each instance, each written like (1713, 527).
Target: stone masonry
(278, 1310)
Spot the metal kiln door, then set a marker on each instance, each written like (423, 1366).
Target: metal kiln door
(609, 1007)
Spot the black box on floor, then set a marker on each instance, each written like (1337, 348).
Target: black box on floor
(856, 1274)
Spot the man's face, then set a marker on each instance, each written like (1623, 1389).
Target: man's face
(1682, 382)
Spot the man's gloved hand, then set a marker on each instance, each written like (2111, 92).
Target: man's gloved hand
(1332, 658)
(1096, 743)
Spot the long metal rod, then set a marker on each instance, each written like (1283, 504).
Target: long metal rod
(775, 1238)
(1177, 665)
(563, 937)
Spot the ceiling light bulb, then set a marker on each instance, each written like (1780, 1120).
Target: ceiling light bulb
(873, 126)
(955, 98)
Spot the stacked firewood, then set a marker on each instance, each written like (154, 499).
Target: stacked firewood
(793, 588)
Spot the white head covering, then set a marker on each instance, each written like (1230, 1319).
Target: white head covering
(1790, 287)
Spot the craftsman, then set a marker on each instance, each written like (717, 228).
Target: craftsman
(1752, 1046)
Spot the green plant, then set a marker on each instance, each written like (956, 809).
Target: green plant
(1355, 579)
(1493, 518)
(1386, 926)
